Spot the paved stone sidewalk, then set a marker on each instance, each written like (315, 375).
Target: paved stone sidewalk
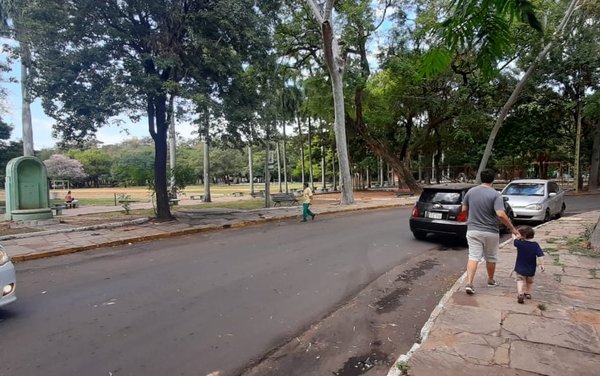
(58, 239)
(557, 332)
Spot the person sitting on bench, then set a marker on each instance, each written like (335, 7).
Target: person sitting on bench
(69, 200)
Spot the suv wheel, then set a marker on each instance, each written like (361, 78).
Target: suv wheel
(420, 235)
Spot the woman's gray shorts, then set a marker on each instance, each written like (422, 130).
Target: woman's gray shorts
(483, 244)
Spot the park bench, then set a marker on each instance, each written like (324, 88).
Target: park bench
(238, 194)
(258, 194)
(72, 204)
(125, 201)
(173, 201)
(196, 197)
(404, 192)
(278, 198)
(58, 208)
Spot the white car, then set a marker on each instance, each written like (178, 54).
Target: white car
(535, 200)
(8, 282)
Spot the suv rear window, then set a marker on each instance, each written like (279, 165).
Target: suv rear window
(442, 197)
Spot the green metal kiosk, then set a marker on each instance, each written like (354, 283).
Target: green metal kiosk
(27, 190)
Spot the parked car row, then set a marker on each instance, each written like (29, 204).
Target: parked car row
(439, 207)
(8, 282)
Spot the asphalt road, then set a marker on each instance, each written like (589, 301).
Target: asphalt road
(580, 204)
(196, 304)
(203, 303)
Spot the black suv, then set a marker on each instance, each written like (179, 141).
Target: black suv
(439, 211)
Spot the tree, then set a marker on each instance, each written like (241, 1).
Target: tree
(8, 150)
(60, 167)
(96, 163)
(592, 111)
(519, 87)
(477, 36)
(134, 167)
(335, 64)
(13, 14)
(99, 59)
(291, 100)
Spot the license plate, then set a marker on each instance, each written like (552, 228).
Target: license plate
(433, 215)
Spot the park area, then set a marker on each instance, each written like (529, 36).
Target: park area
(101, 205)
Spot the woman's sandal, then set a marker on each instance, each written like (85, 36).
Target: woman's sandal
(527, 296)
(520, 299)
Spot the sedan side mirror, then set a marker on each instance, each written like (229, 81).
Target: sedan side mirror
(505, 198)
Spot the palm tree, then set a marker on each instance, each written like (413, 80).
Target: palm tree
(291, 99)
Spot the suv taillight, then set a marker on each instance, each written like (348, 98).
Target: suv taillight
(462, 216)
(415, 212)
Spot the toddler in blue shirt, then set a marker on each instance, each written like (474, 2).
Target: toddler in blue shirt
(529, 255)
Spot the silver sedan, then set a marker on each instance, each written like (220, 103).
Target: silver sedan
(535, 200)
(8, 281)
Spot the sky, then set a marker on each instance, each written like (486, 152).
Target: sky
(42, 124)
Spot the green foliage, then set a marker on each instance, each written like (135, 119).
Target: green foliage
(592, 107)
(134, 167)
(435, 60)
(403, 367)
(96, 60)
(479, 33)
(96, 163)
(542, 307)
(125, 201)
(8, 151)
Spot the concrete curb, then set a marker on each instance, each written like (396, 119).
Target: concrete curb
(140, 239)
(138, 221)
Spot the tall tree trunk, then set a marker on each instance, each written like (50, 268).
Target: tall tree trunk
(595, 165)
(250, 172)
(278, 168)
(267, 175)
(341, 143)
(515, 94)
(578, 143)
(26, 100)
(301, 150)
(172, 145)
(323, 165)
(310, 164)
(335, 64)
(333, 183)
(207, 196)
(285, 168)
(158, 126)
(380, 172)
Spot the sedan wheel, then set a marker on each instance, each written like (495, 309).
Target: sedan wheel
(547, 217)
(562, 211)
